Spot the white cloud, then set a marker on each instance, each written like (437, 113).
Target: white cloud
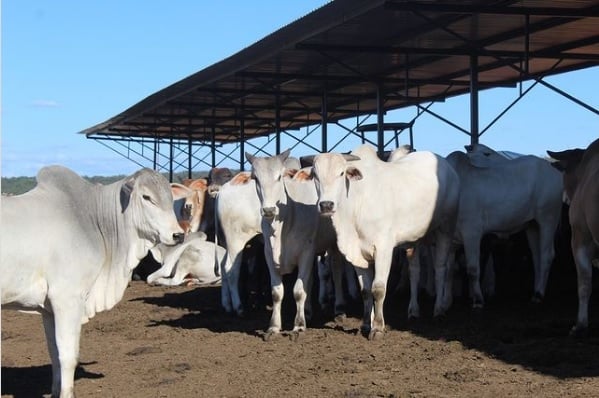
(44, 103)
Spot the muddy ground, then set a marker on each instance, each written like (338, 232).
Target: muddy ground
(176, 342)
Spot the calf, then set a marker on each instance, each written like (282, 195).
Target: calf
(192, 262)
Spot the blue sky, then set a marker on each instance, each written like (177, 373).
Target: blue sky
(68, 65)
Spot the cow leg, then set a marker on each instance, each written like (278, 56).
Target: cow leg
(277, 292)
(230, 299)
(472, 253)
(442, 252)
(546, 255)
(48, 320)
(365, 282)
(300, 291)
(349, 273)
(325, 288)
(533, 238)
(582, 251)
(176, 280)
(225, 293)
(414, 276)
(160, 273)
(452, 265)
(67, 332)
(379, 290)
(337, 267)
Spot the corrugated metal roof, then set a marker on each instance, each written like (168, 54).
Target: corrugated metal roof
(415, 51)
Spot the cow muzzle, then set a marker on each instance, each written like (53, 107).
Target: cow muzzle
(213, 190)
(268, 212)
(179, 237)
(326, 207)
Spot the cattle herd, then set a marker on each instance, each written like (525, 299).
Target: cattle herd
(355, 217)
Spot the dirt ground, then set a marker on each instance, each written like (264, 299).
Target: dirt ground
(176, 342)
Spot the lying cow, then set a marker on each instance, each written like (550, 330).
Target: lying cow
(93, 237)
(581, 180)
(191, 262)
(376, 205)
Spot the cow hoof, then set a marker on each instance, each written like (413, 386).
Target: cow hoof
(376, 334)
(295, 335)
(579, 331)
(270, 334)
(537, 298)
(299, 329)
(364, 330)
(439, 313)
(240, 313)
(340, 318)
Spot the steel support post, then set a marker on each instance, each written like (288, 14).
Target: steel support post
(380, 119)
(474, 133)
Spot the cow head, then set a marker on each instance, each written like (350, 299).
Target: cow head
(332, 174)
(217, 177)
(189, 201)
(567, 162)
(147, 198)
(268, 172)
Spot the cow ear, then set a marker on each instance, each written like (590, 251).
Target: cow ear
(126, 191)
(200, 184)
(284, 155)
(307, 161)
(243, 177)
(250, 157)
(353, 173)
(305, 174)
(180, 191)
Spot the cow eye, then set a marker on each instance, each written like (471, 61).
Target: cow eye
(279, 177)
(148, 198)
(342, 172)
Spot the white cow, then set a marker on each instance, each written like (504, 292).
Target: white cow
(376, 205)
(581, 180)
(293, 233)
(195, 261)
(92, 238)
(238, 211)
(503, 197)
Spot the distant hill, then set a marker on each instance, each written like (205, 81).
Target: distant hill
(19, 185)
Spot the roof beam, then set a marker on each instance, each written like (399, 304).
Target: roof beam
(459, 51)
(458, 8)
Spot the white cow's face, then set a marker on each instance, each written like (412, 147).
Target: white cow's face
(332, 174)
(151, 205)
(268, 173)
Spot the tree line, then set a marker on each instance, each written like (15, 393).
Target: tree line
(19, 185)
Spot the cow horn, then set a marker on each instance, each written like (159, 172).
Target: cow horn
(349, 157)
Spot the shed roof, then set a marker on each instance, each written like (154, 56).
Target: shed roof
(342, 53)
